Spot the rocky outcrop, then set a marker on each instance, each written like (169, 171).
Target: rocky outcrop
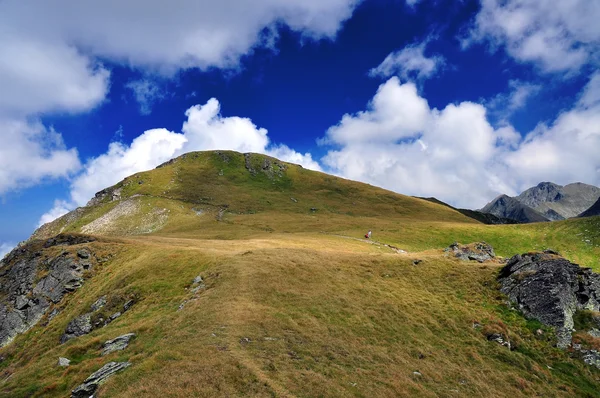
(118, 344)
(269, 166)
(479, 251)
(32, 281)
(90, 385)
(102, 312)
(550, 289)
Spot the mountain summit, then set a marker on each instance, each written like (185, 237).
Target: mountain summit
(229, 274)
(545, 202)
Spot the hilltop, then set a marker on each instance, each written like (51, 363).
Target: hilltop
(241, 275)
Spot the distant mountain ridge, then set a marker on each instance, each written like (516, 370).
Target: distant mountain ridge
(594, 210)
(485, 218)
(506, 207)
(545, 202)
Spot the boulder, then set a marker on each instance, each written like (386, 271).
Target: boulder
(551, 289)
(90, 385)
(63, 362)
(77, 327)
(118, 344)
(479, 251)
(95, 318)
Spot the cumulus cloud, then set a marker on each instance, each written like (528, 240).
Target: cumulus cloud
(37, 78)
(176, 34)
(49, 52)
(409, 63)
(204, 129)
(557, 36)
(5, 248)
(455, 154)
(30, 153)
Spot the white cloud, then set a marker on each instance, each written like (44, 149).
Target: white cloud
(5, 248)
(400, 143)
(591, 93)
(204, 129)
(146, 93)
(49, 52)
(176, 34)
(556, 35)
(30, 153)
(519, 93)
(60, 208)
(409, 63)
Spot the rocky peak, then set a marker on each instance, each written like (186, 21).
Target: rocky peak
(541, 193)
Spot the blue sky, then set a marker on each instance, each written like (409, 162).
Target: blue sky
(461, 100)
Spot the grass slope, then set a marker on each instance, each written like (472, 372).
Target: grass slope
(296, 303)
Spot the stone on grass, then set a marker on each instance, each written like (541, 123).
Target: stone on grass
(90, 385)
(64, 362)
(77, 327)
(118, 344)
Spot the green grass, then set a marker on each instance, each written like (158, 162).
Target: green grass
(296, 303)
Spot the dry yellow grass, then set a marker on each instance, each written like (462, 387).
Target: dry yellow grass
(298, 316)
(297, 304)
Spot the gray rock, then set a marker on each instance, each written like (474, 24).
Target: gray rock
(115, 316)
(550, 289)
(594, 333)
(77, 327)
(500, 339)
(63, 362)
(479, 251)
(24, 296)
(83, 253)
(128, 305)
(118, 344)
(197, 280)
(90, 385)
(101, 302)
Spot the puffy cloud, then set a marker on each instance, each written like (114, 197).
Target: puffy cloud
(31, 153)
(49, 52)
(5, 248)
(176, 34)
(557, 36)
(408, 63)
(36, 78)
(455, 154)
(204, 129)
(146, 92)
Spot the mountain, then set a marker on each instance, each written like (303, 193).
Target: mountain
(545, 202)
(557, 202)
(594, 210)
(485, 218)
(506, 207)
(229, 274)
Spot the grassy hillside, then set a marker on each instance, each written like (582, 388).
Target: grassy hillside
(296, 304)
